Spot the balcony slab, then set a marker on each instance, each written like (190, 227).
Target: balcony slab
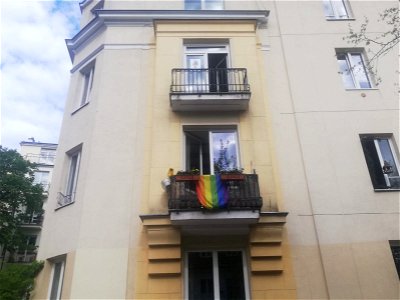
(210, 102)
(240, 217)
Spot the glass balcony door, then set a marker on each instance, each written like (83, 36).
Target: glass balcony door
(207, 69)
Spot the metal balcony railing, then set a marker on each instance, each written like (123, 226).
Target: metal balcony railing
(47, 159)
(210, 81)
(33, 220)
(243, 194)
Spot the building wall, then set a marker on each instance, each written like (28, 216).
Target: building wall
(301, 134)
(338, 226)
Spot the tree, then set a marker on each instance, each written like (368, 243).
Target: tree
(19, 198)
(16, 281)
(379, 44)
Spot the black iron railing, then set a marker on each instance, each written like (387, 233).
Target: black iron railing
(209, 81)
(33, 220)
(243, 194)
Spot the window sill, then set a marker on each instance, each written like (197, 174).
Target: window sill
(79, 108)
(363, 89)
(388, 190)
(340, 19)
(62, 206)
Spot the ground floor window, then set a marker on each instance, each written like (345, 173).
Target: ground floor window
(395, 247)
(56, 280)
(216, 275)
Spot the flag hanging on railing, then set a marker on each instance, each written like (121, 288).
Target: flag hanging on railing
(211, 191)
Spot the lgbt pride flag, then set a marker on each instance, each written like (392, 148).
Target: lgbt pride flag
(211, 191)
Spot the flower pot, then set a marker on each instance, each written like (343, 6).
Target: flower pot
(187, 177)
(232, 176)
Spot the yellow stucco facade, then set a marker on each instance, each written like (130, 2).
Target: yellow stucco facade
(121, 238)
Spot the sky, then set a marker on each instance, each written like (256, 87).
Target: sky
(34, 68)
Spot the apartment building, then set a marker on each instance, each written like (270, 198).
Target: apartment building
(43, 154)
(276, 152)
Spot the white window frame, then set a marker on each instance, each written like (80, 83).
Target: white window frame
(60, 281)
(204, 50)
(47, 156)
(335, 6)
(215, 271)
(203, 5)
(38, 179)
(72, 177)
(381, 160)
(350, 66)
(211, 129)
(87, 74)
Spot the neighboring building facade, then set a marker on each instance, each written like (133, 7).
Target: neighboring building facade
(43, 154)
(269, 87)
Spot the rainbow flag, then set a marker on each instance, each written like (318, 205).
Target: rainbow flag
(211, 191)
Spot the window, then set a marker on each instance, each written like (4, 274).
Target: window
(211, 150)
(68, 196)
(42, 177)
(381, 158)
(336, 9)
(395, 247)
(208, 67)
(56, 280)
(204, 4)
(353, 70)
(47, 156)
(87, 82)
(216, 275)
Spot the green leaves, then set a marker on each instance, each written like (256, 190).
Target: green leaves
(19, 197)
(16, 280)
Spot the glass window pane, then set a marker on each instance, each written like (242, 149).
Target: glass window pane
(341, 10)
(192, 4)
(359, 70)
(328, 9)
(201, 282)
(387, 156)
(225, 151)
(231, 280)
(54, 293)
(345, 71)
(213, 4)
(72, 175)
(196, 76)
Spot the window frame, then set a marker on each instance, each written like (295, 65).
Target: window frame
(199, 49)
(395, 250)
(60, 279)
(67, 196)
(373, 171)
(202, 4)
(86, 75)
(334, 6)
(210, 129)
(215, 271)
(38, 179)
(351, 66)
(73, 170)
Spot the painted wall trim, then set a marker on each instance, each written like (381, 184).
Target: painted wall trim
(147, 17)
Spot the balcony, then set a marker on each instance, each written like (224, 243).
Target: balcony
(243, 201)
(209, 89)
(32, 221)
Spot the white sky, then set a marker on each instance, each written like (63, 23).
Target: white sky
(34, 68)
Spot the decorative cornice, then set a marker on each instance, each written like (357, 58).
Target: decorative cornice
(84, 3)
(147, 17)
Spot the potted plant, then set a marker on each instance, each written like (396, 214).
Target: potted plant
(193, 174)
(232, 174)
